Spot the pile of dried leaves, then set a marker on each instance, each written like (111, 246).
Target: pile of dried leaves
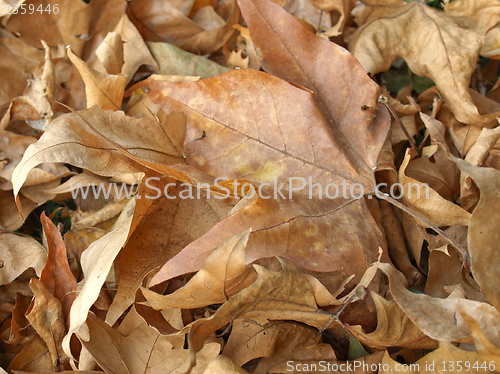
(151, 97)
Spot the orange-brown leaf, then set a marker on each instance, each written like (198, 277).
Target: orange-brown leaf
(57, 276)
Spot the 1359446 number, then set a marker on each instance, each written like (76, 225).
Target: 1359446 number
(31, 8)
(457, 366)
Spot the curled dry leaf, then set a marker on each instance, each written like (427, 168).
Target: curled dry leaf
(102, 89)
(446, 272)
(10, 219)
(46, 316)
(135, 51)
(343, 7)
(394, 329)
(274, 342)
(222, 276)
(41, 176)
(18, 253)
(105, 16)
(35, 105)
(439, 318)
(56, 275)
(484, 237)
(434, 174)
(476, 156)
(20, 328)
(166, 22)
(491, 46)
(396, 243)
(163, 229)
(69, 139)
(109, 211)
(96, 262)
(138, 348)
(235, 59)
(479, 15)
(84, 179)
(421, 35)
(34, 357)
(489, 352)
(110, 53)
(245, 44)
(428, 203)
(274, 295)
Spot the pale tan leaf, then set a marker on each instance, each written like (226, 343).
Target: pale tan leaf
(110, 53)
(83, 180)
(138, 348)
(222, 276)
(476, 156)
(165, 226)
(96, 263)
(428, 203)
(491, 46)
(488, 351)
(223, 365)
(274, 342)
(479, 15)
(394, 329)
(35, 105)
(135, 51)
(18, 253)
(446, 272)
(343, 7)
(439, 318)
(274, 295)
(431, 43)
(69, 139)
(104, 90)
(46, 316)
(484, 236)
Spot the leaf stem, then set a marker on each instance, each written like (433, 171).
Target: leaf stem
(404, 208)
(384, 100)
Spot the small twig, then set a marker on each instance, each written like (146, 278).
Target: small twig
(384, 100)
(404, 208)
(319, 23)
